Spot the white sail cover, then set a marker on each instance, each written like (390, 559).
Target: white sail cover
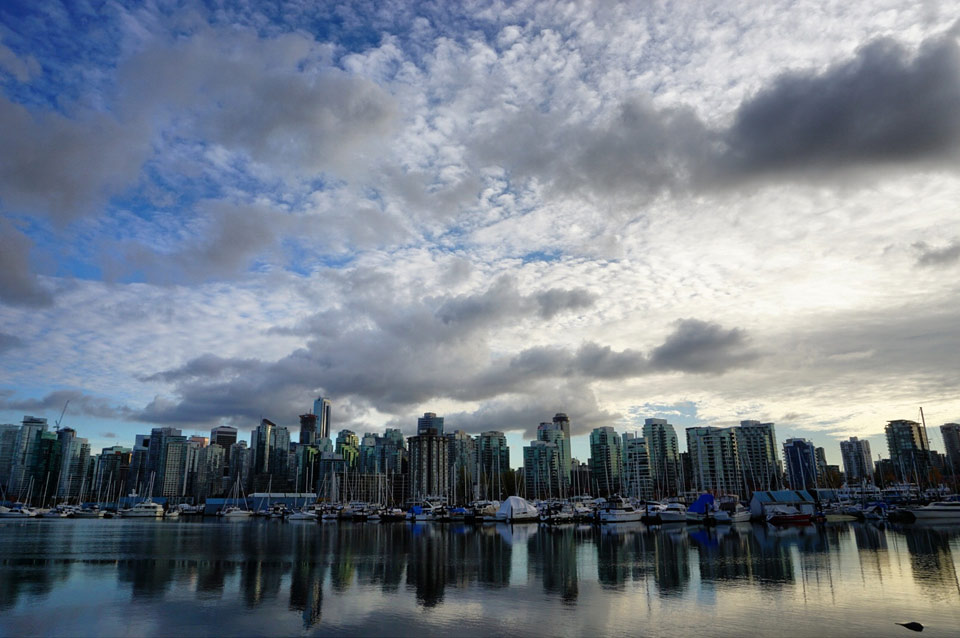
(516, 507)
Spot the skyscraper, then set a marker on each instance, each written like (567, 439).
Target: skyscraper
(224, 436)
(541, 468)
(308, 429)
(857, 460)
(664, 454)
(8, 443)
(429, 458)
(606, 460)
(25, 452)
(321, 409)
(757, 452)
(430, 423)
(909, 450)
(463, 464)
(562, 422)
(74, 455)
(637, 478)
(260, 441)
(553, 432)
(951, 446)
(157, 457)
(714, 459)
(493, 459)
(800, 459)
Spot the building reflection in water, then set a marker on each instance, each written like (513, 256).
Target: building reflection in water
(433, 565)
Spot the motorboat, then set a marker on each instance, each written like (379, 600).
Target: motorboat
(937, 511)
(786, 515)
(673, 512)
(557, 514)
(618, 510)
(56, 512)
(87, 512)
(143, 509)
(19, 510)
(302, 515)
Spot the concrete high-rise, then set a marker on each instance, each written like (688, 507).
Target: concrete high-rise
(430, 423)
(493, 457)
(909, 450)
(25, 453)
(664, 454)
(553, 432)
(562, 422)
(857, 460)
(714, 459)
(156, 462)
(637, 477)
(224, 436)
(8, 443)
(321, 409)
(541, 469)
(606, 460)
(757, 452)
(74, 457)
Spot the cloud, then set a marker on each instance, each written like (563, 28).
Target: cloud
(885, 105)
(80, 404)
(944, 256)
(702, 347)
(18, 284)
(9, 342)
(108, 435)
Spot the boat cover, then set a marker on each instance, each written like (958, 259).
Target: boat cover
(703, 502)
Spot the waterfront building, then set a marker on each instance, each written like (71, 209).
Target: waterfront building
(581, 481)
(664, 453)
(392, 451)
(156, 462)
(74, 457)
(260, 440)
(638, 481)
(493, 455)
(241, 463)
(556, 432)
(368, 461)
(462, 455)
(757, 454)
(857, 460)
(348, 448)
(800, 458)
(429, 458)
(951, 447)
(282, 470)
(113, 469)
(606, 460)
(8, 444)
(541, 469)
(321, 409)
(224, 436)
(821, 456)
(25, 453)
(308, 429)
(173, 477)
(909, 450)
(138, 464)
(714, 459)
(208, 481)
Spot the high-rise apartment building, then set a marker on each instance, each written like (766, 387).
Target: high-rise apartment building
(308, 429)
(909, 450)
(541, 469)
(8, 443)
(493, 456)
(430, 423)
(562, 422)
(25, 453)
(857, 460)
(606, 460)
(553, 432)
(800, 459)
(157, 457)
(463, 464)
(664, 453)
(714, 459)
(74, 457)
(757, 452)
(637, 477)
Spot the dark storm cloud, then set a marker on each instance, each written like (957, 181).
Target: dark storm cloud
(943, 256)
(884, 105)
(18, 284)
(9, 342)
(702, 347)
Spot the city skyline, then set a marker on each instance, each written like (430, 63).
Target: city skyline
(496, 213)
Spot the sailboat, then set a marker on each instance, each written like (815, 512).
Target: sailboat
(232, 511)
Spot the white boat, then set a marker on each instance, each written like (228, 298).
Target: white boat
(740, 514)
(518, 510)
(618, 510)
(174, 513)
(56, 512)
(19, 510)
(143, 509)
(673, 512)
(87, 512)
(302, 515)
(939, 511)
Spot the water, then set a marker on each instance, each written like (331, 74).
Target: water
(206, 577)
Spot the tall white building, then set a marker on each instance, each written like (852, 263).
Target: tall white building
(757, 452)
(714, 459)
(664, 453)
(638, 481)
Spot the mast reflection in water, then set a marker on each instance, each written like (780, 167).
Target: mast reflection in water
(95, 577)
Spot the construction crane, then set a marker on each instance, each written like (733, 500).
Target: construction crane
(62, 412)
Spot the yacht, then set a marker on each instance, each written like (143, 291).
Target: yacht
(56, 512)
(673, 512)
(303, 515)
(19, 510)
(739, 514)
(938, 511)
(143, 509)
(517, 510)
(87, 512)
(618, 510)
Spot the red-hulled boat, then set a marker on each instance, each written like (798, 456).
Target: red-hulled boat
(786, 515)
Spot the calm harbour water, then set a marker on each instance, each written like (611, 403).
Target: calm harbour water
(262, 577)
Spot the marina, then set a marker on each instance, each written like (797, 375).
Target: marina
(263, 576)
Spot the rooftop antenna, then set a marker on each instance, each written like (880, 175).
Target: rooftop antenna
(57, 426)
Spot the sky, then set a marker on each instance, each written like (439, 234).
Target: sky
(706, 212)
